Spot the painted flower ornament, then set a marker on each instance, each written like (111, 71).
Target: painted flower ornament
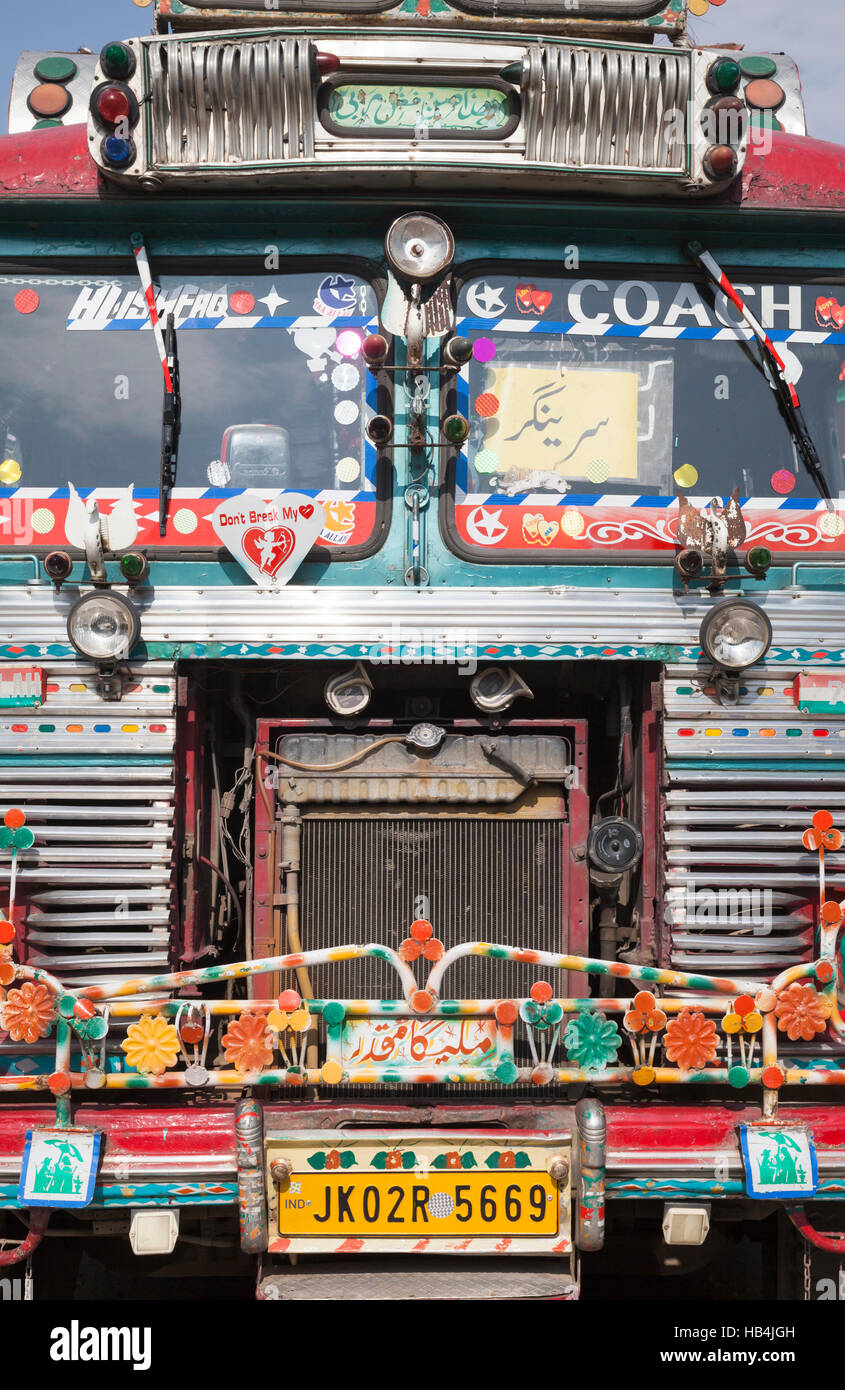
(247, 1043)
(592, 1041)
(421, 941)
(151, 1045)
(541, 1010)
(801, 1013)
(691, 1040)
(822, 835)
(644, 1016)
(28, 1012)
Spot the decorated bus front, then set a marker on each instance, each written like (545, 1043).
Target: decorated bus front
(421, 544)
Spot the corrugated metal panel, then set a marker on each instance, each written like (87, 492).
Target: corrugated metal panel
(741, 892)
(533, 618)
(607, 109)
(237, 101)
(97, 884)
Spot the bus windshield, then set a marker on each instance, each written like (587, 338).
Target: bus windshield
(274, 391)
(599, 387)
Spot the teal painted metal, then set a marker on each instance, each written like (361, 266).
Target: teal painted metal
(146, 1194)
(485, 230)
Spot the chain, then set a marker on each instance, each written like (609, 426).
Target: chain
(27, 1283)
(808, 1293)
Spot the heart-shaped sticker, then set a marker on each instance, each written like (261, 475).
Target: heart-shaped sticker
(523, 298)
(540, 300)
(269, 534)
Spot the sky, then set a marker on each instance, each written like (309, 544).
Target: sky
(810, 31)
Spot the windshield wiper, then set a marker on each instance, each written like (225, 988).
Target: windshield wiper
(171, 420)
(171, 414)
(776, 371)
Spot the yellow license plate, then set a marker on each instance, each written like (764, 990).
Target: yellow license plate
(400, 1204)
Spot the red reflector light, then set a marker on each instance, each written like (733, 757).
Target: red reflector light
(113, 105)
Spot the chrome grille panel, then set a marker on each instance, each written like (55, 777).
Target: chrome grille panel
(606, 108)
(238, 101)
(733, 823)
(609, 117)
(97, 884)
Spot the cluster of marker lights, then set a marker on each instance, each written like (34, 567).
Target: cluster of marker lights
(724, 118)
(114, 106)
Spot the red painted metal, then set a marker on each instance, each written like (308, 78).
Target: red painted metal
(577, 872)
(834, 1243)
(264, 875)
(39, 1219)
(651, 885)
(48, 164)
(191, 934)
(207, 1131)
(797, 173)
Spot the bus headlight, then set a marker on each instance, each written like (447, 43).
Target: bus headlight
(103, 626)
(735, 634)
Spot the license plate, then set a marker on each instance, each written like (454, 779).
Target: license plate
(435, 1190)
(386, 1204)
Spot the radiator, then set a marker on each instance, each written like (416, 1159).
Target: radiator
(741, 784)
(96, 781)
(499, 880)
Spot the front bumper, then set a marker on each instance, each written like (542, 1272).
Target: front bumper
(187, 1155)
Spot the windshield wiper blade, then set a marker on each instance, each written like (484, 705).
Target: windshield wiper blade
(171, 421)
(171, 415)
(777, 374)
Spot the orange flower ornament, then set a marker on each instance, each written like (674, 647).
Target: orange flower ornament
(691, 1040)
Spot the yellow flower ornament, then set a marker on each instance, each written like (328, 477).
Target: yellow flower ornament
(151, 1045)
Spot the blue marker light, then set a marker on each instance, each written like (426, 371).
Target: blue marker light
(117, 151)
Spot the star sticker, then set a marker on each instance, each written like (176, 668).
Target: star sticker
(485, 299)
(273, 300)
(485, 527)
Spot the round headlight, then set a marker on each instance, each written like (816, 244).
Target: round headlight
(103, 627)
(419, 246)
(736, 634)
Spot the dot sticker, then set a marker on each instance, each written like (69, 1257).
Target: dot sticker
(484, 349)
(10, 472)
(782, 481)
(43, 520)
(27, 301)
(347, 470)
(486, 461)
(440, 1204)
(348, 342)
(831, 524)
(598, 471)
(345, 377)
(241, 302)
(185, 521)
(346, 412)
(573, 523)
(686, 475)
(486, 404)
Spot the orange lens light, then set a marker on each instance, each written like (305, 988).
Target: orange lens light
(49, 99)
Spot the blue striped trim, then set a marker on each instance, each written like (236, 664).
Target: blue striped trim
(651, 330)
